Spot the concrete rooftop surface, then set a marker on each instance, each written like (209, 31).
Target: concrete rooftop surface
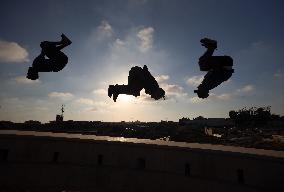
(192, 146)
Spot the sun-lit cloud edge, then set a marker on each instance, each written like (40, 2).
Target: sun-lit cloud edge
(12, 52)
(25, 81)
(62, 95)
(243, 91)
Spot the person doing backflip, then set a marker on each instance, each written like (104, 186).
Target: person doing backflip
(219, 68)
(138, 79)
(56, 60)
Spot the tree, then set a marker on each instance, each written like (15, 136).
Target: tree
(233, 114)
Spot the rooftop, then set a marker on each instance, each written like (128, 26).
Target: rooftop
(192, 146)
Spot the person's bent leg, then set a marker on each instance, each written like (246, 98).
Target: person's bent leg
(33, 71)
(217, 78)
(221, 62)
(60, 61)
(46, 66)
(32, 74)
(211, 80)
(38, 60)
(135, 82)
(57, 59)
(205, 59)
(205, 63)
(206, 85)
(64, 42)
(115, 90)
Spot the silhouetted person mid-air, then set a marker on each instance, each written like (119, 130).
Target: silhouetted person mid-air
(56, 60)
(138, 79)
(219, 68)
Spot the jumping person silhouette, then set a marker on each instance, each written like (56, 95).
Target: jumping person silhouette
(56, 61)
(138, 79)
(219, 68)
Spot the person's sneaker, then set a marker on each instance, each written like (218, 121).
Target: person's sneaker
(65, 40)
(208, 43)
(110, 90)
(32, 74)
(202, 93)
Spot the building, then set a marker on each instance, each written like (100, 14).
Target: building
(209, 122)
(45, 161)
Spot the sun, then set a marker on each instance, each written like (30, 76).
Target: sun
(125, 98)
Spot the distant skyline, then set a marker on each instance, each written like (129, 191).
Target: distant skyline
(109, 37)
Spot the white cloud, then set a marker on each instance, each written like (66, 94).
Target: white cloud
(195, 80)
(223, 96)
(278, 75)
(85, 101)
(100, 92)
(162, 78)
(212, 97)
(62, 95)
(12, 52)
(170, 89)
(172, 93)
(119, 43)
(197, 100)
(99, 106)
(246, 89)
(146, 39)
(173, 89)
(145, 98)
(104, 30)
(24, 80)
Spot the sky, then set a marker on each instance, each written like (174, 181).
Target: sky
(110, 37)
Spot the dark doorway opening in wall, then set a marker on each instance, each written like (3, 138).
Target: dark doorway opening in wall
(55, 157)
(100, 159)
(240, 175)
(4, 154)
(187, 169)
(140, 163)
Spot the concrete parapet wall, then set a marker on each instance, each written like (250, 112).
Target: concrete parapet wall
(56, 163)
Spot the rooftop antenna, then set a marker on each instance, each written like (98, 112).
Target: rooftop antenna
(59, 117)
(62, 110)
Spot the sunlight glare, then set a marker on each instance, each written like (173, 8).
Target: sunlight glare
(125, 98)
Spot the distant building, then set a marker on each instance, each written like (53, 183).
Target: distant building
(208, 122)
(59, 118)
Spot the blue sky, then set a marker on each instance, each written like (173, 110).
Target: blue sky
(109, 37)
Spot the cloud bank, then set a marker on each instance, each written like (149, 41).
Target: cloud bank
(24, 80)
(62, 95)
(195, 80)
(12, 52)
(146, 39)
